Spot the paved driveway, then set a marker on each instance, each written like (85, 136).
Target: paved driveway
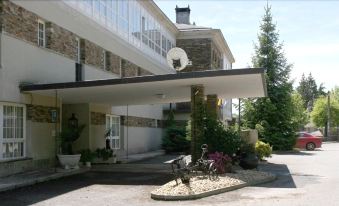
(307, 178)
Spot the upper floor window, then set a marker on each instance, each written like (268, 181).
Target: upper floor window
(41, 33)
(12, 131)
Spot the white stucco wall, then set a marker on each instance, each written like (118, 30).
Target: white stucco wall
(148, 111)
(142, 139)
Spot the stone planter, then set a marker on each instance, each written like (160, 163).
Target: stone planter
(69, 161)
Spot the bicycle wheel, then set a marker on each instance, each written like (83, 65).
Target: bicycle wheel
(212, 172)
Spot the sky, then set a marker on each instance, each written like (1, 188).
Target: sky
(308, 29)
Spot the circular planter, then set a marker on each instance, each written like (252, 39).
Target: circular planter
(249, 161)
(69, 161)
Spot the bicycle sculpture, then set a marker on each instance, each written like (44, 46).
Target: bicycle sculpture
(184, 169)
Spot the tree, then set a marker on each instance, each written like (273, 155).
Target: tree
(272, 114)
(320, 110)
(300, 115)
(309, 91)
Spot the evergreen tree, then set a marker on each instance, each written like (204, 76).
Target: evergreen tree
(309, 91)
(273, 114)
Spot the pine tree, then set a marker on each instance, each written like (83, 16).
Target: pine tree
(309, 91)
(272, 114)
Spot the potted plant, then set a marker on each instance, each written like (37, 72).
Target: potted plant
(248, 157)
(86, 157)
(69, 134)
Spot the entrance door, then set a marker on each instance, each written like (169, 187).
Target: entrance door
(113, 127)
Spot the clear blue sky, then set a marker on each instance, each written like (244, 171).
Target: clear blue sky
(308, 29)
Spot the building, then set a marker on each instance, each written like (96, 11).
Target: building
(104, 61)
(208, 50)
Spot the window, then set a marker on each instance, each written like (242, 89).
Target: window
(104, 61)
(12, 134)
(113, 128)
(77, 51)
(41, 33)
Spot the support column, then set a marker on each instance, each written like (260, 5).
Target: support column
(197, 115)
(212, 105)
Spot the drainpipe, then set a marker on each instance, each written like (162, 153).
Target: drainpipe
(127, 129)
(56, 129)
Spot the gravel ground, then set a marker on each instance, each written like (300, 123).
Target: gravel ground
(201, 184)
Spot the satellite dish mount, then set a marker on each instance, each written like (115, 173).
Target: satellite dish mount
(177, 59)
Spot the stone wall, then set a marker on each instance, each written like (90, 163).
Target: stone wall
(42, 114)
(18, 166)
(198, 51)
(216, 59)
(93, 54)
(19, 22)
(132, 121)
(128, 69)
(23, 24)
(60, 40)
(98, 118)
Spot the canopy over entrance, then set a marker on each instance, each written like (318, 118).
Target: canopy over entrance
(236, 83)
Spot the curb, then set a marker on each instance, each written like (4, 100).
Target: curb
(41, 179)
(213, 192)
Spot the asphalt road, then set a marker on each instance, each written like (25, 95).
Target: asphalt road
(306, 178)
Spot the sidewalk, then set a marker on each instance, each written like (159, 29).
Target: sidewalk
(34, 177)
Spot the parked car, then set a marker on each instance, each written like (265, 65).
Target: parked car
(308, 141)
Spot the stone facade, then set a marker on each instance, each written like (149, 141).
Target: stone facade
(60, 40)
(42, 114)
(19, 22)
(128, 69)
(114, 63)
(216, 58)
(132, 121)
(212, 105)
(198, 51)
(203, 53)
(23, 25)
(17, 166)
(92, 54)
(197, 115)
(98, 118)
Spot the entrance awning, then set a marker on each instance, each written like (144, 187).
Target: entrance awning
(236, 83)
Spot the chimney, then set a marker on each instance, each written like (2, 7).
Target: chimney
(183, 15)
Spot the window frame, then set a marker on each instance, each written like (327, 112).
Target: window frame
(12, 140)
(42, 22)
(111, 137)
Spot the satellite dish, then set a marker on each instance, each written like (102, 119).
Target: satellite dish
(177, 59)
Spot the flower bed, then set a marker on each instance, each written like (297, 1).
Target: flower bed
(202, 187)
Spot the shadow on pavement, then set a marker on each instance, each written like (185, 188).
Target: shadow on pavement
(284, 177)
(47, 190)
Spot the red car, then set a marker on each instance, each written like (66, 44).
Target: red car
(308, 141)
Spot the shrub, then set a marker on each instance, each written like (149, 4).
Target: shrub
(104, 153)
(263, 150)
(219, 138)
(223, 162)
(175, 140)
(86, 155)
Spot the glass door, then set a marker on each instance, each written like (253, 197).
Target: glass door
(113, 129)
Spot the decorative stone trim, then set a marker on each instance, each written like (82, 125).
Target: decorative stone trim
(42, 114)
(98, 118)
(23, 25)
(132, 121)
(128, 69)
(19, 22)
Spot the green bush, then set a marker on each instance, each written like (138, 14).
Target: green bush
(175, 140)
(219, 138)
(86, 155)
(263, 150)
(104, 153)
